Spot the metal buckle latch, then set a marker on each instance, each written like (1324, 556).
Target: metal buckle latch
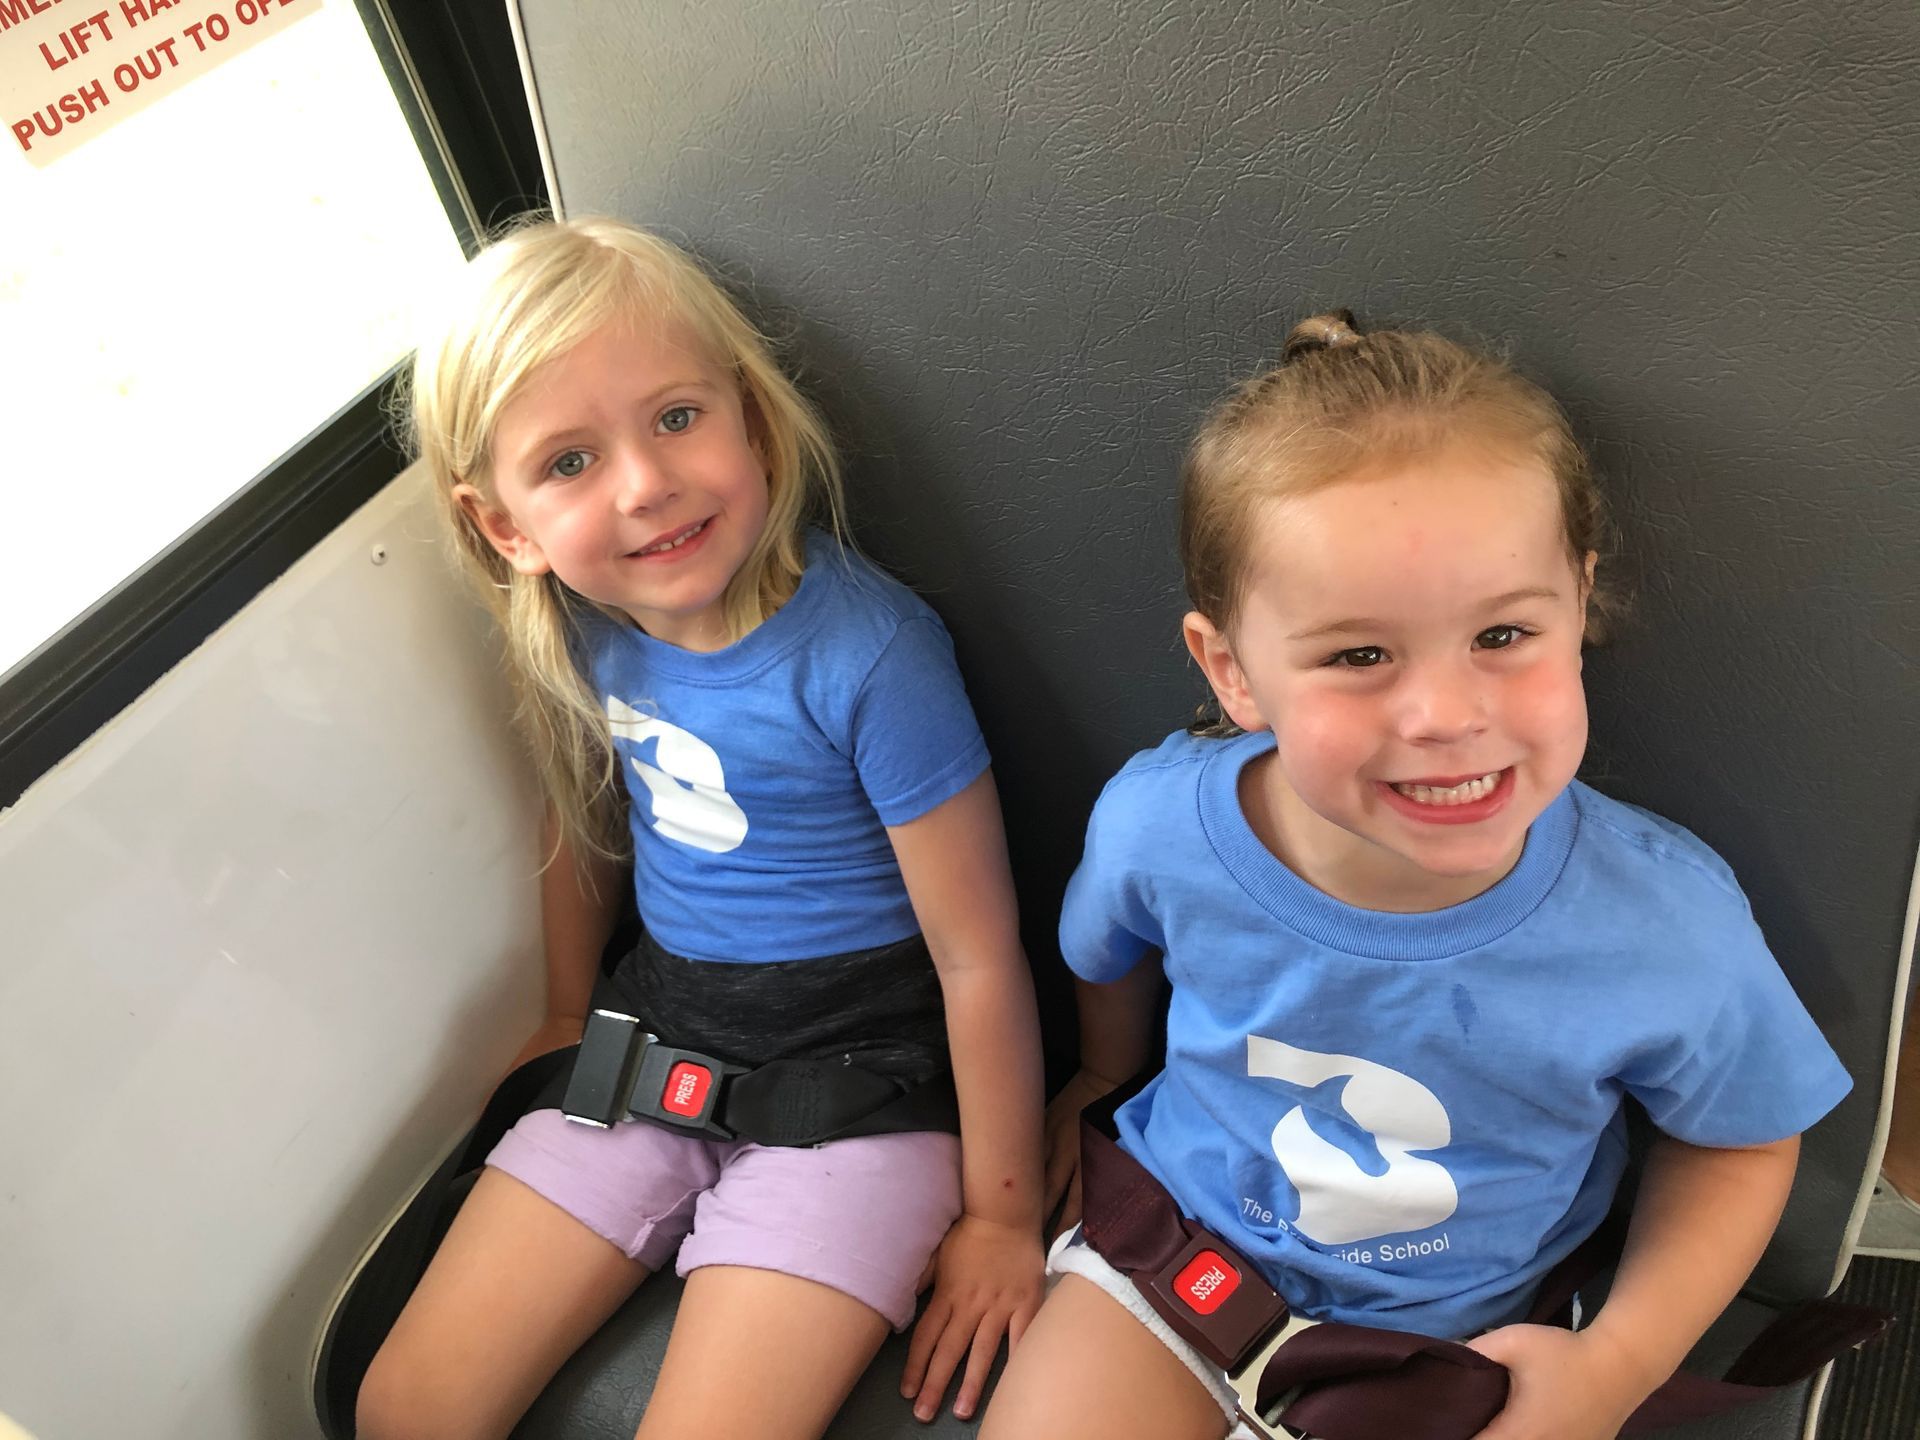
(1244, 1381)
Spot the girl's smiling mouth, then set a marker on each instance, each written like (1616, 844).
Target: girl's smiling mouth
(1450, 801)
(672, 541)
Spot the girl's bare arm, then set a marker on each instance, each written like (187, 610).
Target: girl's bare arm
(1700, 1221)
(988, 1278)
(1117, 1023)
(579, 901)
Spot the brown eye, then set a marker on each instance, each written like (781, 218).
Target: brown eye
(1498, 637)
(1360, 658)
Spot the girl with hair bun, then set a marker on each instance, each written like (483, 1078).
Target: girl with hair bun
(768, 740)
(1416, 966)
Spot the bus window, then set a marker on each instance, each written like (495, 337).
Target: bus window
(194, 277)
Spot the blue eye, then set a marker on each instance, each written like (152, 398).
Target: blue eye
(677, 419)
(1361, 657)
(569, 464)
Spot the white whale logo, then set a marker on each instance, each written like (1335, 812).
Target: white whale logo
(1339, 1202)
(688, 786)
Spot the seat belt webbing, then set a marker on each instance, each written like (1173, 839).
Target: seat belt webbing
(1336, 1381)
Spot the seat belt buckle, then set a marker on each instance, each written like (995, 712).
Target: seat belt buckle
(1214, 1299)
(1219, 1302)
(623, 1072)
(681, 1088)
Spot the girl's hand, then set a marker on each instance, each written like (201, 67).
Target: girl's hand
(1700, 1220)
(556, 1032)
(1567, 1385)
(988, 1281)
(1061, 1186)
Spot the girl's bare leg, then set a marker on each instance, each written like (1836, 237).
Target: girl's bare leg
(1087, 1370)
(515, 1288)
(757, 1353)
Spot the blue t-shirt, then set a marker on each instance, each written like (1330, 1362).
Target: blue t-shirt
(1407, 1120)
(763, 776)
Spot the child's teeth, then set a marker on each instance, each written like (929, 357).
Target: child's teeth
(1464, 793)
(675, 544)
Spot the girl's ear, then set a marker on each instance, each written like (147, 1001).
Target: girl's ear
(755, 420)
(1214, 656)
(516, 547)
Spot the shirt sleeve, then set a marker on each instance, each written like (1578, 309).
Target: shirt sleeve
(1755, 1070)
(914, 741)
(1106, 925)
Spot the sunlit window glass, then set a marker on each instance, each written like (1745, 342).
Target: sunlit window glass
(215, 231)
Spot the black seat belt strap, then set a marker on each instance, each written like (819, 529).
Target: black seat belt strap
(621, 1072)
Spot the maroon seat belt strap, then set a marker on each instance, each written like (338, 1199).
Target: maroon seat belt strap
(1335, 1381)
(1793, 1347)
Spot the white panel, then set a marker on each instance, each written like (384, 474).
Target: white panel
(269, 937)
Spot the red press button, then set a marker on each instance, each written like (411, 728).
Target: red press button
(1206, 1282)
(687, 1086)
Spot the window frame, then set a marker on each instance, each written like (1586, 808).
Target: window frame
(456, 74)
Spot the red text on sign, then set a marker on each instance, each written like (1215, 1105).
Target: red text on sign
(76, 40)
(146, 67)
(137, 11)
(67, 110)
(214, 28)
(17, 12)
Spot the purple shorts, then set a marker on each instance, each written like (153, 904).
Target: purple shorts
(862, 1216)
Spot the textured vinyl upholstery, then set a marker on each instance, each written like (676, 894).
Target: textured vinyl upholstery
(1019, 248)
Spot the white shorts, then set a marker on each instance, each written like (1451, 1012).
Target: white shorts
(1073, 1256)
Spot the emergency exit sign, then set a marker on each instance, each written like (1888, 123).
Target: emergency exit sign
(71, 69)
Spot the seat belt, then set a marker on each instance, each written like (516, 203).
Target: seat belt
(622, 1072)
(784, 1102)
(1335, 1381)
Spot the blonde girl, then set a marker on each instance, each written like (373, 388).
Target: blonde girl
(767, 739)
(1416, 966)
